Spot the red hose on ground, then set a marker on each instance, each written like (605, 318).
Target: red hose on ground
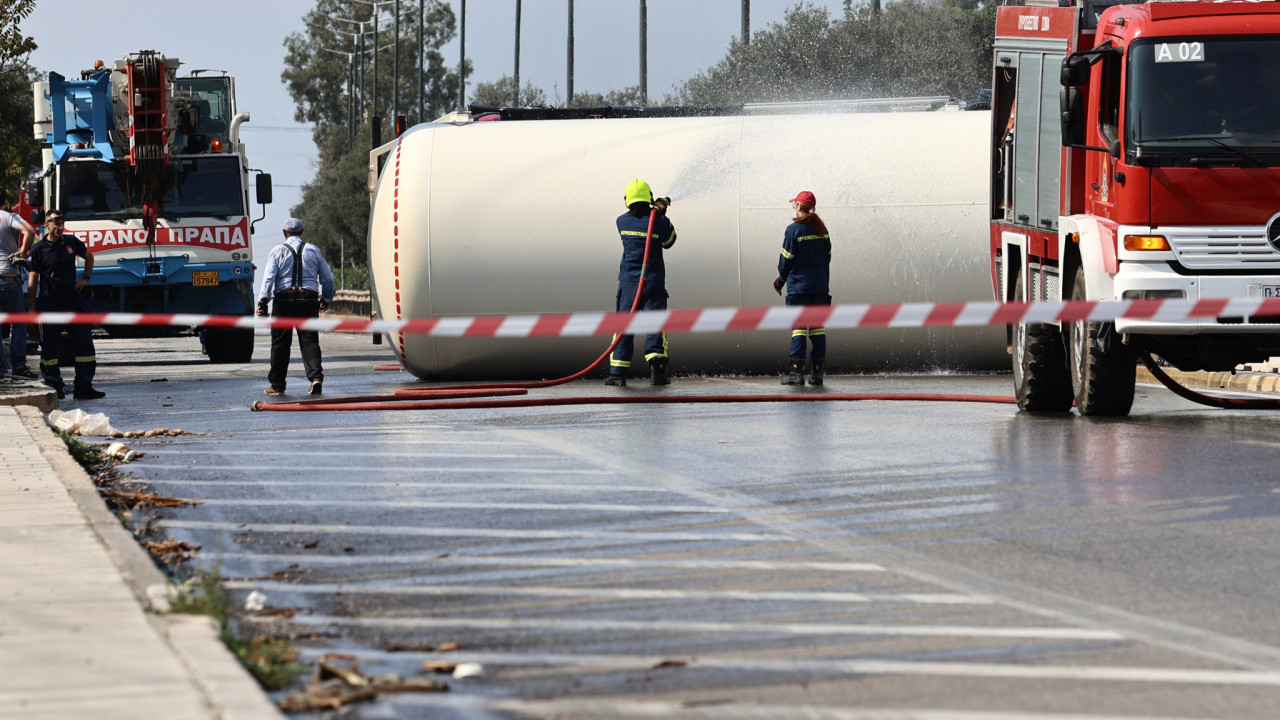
(356, 403)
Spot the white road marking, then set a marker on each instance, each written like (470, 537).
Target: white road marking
(431, 485)
(362, 470)
(482, 505)
(614, 663)
(505, 534)
(525, 561)
(738, 629)
(438, 589)
(569, 708)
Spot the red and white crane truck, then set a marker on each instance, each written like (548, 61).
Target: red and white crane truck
(1136, 154)
(150, 173)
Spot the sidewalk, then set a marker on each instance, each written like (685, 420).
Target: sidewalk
(79, 631)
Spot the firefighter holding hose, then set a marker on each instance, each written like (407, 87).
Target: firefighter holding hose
(633, 227)
(804, 267)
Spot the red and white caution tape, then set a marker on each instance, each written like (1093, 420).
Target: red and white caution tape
(888, 315)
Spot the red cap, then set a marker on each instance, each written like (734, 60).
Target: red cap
(804, 197)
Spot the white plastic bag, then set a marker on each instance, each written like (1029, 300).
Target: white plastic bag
(78, 422)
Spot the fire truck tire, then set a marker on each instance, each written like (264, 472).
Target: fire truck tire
(1103, 369)
(1040, 377)
(229, 345)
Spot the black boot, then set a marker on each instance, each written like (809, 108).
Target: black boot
(794, 374)
(616, 380)
(658, 368)
(816, 368)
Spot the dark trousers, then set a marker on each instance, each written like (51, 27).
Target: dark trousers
(81, 342)
(282, 339)
(816, 336)
(655, 344)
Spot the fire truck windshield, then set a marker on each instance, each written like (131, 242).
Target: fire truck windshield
(1207, 97)
(201, 186)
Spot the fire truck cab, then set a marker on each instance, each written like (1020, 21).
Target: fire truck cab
(1136, 155)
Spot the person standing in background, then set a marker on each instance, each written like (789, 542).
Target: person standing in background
(804, 267)
(298, 284)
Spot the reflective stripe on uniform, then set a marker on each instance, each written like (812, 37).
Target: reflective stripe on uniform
(817, 331)
(87, 358)
(665, 347)
(633, 233)
(799, 332)
(802, 238)
(52, 362)
(787, 255)
(619, 363)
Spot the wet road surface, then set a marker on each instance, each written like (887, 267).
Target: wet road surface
(816, 560)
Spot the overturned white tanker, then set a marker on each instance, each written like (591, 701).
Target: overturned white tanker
(517, 217)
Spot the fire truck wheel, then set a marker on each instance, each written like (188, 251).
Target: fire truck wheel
(1040, 377)
(1103, 369)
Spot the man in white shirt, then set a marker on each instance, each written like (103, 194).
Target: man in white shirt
(298, 283)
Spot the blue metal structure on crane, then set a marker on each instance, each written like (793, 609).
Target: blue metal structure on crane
(82, 117)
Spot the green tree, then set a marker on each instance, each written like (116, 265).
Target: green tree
(911, 47)
(500, 92)
(626, 97)
(14, 45)
(318, 64)
(19, 151)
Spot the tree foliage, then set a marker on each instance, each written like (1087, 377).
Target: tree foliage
(318, 74)
(14, 45)
(19, 151)
(910, 48)
(502, 93)
(626, 97)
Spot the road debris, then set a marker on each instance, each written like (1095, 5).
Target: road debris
(256, 602)
(333, 686)
(468, 670)
(135, 500)
(78, 422)
(170, 552)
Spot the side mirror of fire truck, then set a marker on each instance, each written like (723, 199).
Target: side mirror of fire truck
(35, 193)
(1075, 71)
(1071, 103)
(264, 188)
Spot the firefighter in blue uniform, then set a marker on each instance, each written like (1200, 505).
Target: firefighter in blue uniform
(804, 266)
(633, 227)
(54, 287)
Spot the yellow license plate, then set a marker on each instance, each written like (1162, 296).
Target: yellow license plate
(204, 278)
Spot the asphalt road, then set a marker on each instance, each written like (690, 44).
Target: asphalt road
(817, 560)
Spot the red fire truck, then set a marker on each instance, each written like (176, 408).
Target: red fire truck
(1136, 154)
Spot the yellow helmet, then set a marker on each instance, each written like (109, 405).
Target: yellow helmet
(638, 191)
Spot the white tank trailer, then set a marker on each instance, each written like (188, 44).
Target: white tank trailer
(517, 217)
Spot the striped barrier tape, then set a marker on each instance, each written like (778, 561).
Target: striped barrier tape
(887, 315)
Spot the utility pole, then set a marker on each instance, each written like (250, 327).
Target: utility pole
(746, 22)
(462, 60)
(421, 100)
(395, 73)
(644, 52)
(516, 102)
(375, 61)
(569, 81)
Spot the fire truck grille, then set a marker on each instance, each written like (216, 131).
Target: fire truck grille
(1242, 248)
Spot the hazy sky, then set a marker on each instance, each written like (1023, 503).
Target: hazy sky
(246, 38)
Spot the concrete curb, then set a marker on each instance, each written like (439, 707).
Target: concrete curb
(226, 685)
